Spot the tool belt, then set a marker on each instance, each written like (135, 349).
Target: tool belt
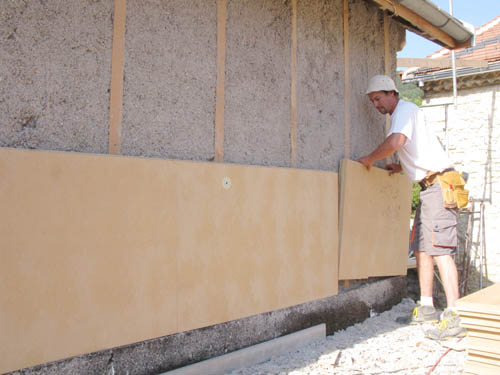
(429, 180)
(452, 187)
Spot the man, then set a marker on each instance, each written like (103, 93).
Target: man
(434, 235)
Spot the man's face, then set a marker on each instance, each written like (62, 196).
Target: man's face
(384, 102)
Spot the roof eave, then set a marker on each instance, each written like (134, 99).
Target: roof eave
(427, 20)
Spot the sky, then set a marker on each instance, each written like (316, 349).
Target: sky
(475, 12)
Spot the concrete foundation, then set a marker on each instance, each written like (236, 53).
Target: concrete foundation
(178, 350)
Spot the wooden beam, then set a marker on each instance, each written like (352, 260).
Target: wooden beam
(221, 73)
(116, 90)
(441, 63)
(387, 64)
(347, 94)
(347, 83)
(417, 21)
(293, 94)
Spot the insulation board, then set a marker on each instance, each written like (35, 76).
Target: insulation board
(485, 301)
(100, 251)
(480, 315)
(374, 221)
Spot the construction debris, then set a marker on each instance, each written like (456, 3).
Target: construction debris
(379, 345)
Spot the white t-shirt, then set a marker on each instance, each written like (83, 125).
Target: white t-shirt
(422, 151)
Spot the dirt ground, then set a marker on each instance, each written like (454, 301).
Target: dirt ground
(381, 344)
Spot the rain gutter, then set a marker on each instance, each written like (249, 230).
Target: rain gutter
(426, 19)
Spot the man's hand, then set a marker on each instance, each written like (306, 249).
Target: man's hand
(366, 161)
(393, 168)
(391, 144)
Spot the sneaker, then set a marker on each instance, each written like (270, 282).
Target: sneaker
(449, 327)
(424, 314)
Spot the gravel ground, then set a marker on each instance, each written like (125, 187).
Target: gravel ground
(379, 345)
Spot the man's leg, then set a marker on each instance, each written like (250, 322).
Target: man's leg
(450, 321)
(449, 277)
(425, 312)
(425, 269)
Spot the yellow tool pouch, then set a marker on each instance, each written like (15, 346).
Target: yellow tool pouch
(452, 187)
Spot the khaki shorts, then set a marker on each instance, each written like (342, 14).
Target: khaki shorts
(435, 227)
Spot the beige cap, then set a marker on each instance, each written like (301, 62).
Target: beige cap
(381, 83)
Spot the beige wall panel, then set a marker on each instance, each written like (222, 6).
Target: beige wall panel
(84, 262)
(99, 251)
(374, 222)
(267, 242)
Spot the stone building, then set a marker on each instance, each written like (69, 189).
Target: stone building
(470, 132)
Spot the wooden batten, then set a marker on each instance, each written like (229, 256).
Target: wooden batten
(221, 73)
(293, 94)
(347, 83)
(116, 90)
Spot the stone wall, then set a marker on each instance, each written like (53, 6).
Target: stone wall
(472, 140)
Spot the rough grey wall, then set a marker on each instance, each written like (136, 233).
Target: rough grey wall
(258, 79)
(170, 77)
(320, 84)
(55, 65)
(366, 45)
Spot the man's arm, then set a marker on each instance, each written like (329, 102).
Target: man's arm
(391, 144)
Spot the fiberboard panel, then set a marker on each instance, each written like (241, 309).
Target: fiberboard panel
(82, 243)
(486, 323)
(485, 301)
(374, 220)
(94, 243)
(270, 238)
(483, 344)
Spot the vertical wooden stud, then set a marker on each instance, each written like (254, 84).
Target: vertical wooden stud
(116, 90)
(387, 65)
(293, 94)
(347, 83)
(221, 72)
(347, 93)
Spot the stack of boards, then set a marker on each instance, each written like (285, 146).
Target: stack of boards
(480, 314)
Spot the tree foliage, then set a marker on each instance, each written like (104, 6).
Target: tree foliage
(415, 197)
(410, 92)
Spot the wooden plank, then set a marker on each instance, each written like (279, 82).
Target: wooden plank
(483, 359)
(374, 222)
(483, 344)
(293, 94)
(481, 333)
(484, 301)
(480, 328)
(476, 315)
(221, 73)
(156, 246)
(418, 22)
(440, 63)
(487, 323)
(483, 353)
(347, 84)
(387, 68)
(116, 90)
(480, 368)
